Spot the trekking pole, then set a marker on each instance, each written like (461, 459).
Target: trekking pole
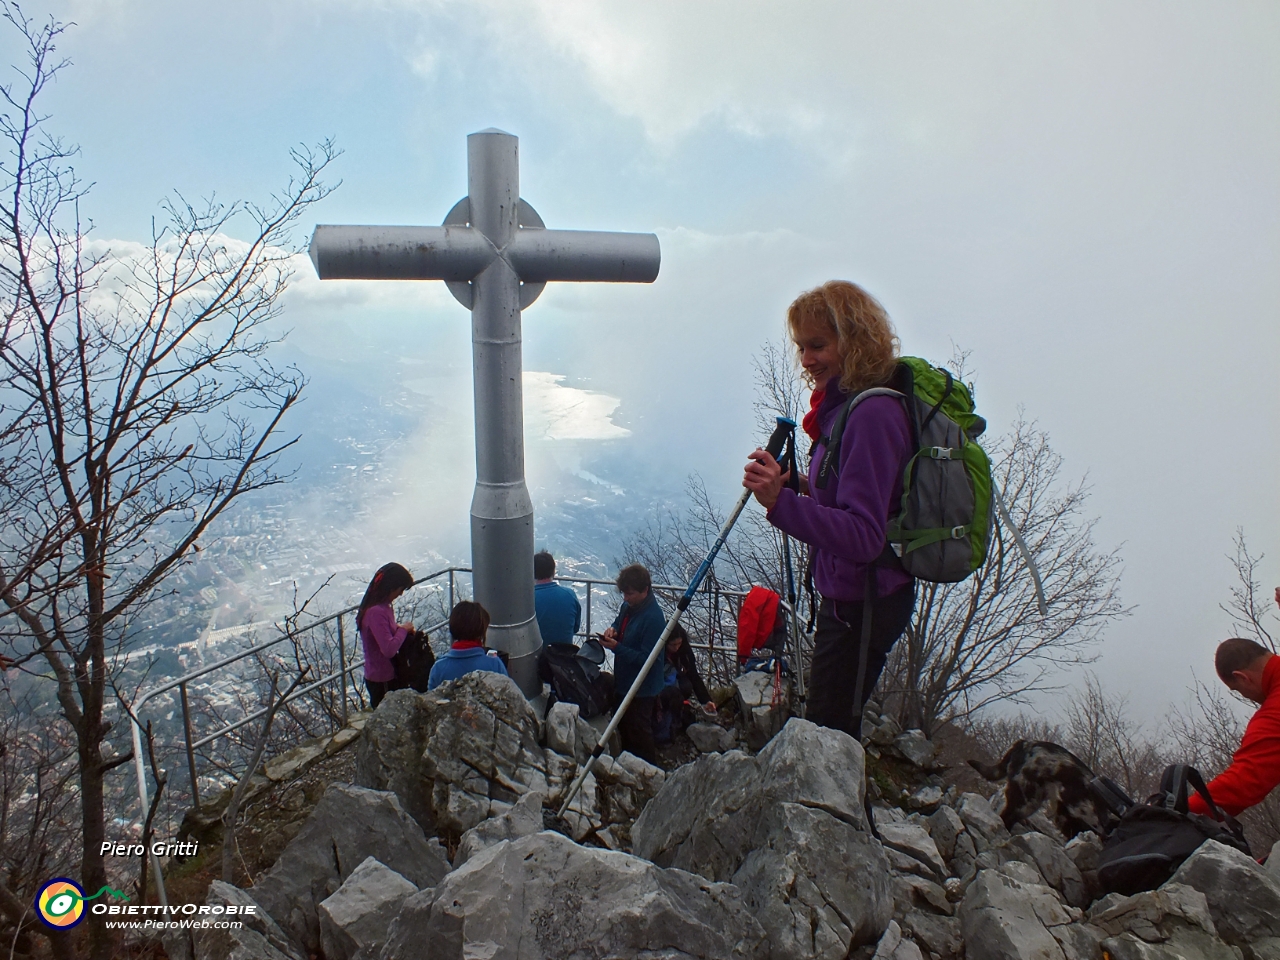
(774, 447)
(790, 462)
(795, 624)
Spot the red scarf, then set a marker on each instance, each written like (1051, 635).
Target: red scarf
(810, 421)
(467, 644)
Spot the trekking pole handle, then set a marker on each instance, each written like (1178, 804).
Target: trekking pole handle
(778, 439)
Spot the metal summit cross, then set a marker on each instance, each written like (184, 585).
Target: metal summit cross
(495, 255)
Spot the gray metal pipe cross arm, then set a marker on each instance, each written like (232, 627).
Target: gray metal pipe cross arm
(496, 255)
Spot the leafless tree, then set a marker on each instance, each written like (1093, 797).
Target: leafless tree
(995, 733)
(983, 640)
(1252, 613)
(38, 817)
(139, 403)
(1100, 731)
(275, 701)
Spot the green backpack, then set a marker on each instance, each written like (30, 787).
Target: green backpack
(943, 527)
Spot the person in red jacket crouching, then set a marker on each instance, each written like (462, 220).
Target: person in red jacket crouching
(1253, 671)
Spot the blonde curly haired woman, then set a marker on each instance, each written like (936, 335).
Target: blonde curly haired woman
(845, 344)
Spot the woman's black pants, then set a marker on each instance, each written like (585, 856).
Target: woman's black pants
(837, 645)
(377, 690)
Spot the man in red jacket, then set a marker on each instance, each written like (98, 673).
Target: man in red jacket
(1252, 671)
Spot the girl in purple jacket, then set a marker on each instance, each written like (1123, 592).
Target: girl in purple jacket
(379, 632)
(845, 344)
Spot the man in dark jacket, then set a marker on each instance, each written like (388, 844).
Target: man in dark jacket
(635, 631)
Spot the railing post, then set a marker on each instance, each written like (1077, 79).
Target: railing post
(191, 755)
(450, 590)
(589, 591)
(342, 664)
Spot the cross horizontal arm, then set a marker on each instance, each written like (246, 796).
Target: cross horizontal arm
(460, 253)
(541, 255)
(399, 253)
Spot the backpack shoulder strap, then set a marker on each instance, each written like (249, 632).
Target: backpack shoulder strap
(831, 454)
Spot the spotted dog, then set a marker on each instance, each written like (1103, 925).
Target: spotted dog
(1037, 773)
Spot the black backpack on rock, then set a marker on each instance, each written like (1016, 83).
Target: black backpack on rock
(1152, 839)
(575, 677)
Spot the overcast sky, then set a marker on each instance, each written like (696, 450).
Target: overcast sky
(1085, 195)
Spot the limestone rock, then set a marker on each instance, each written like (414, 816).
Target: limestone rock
(754, 692)
(915, 892)
(1243, 898)
(1273, 861)
(1084, 849)
(348, 825)
(543, 897)
(885, 732)
(355, 918)
(885, 815)
(648, 779)
(914, 841)
(711, 737)
(1079, 941)
(893, 946)
(754, 689)
(389, 754)
(817, 884)
(233, 944)
(1172, 922)
(1057, 868)
(524, 818)
(1004, 918)
(965, 858)
(260, 937)
(940, 936)
(562, 728)
(926, 799)
(916, 748)
(816, 767)
(1151, 914)
(982, 822)
(703, 818)
(945, 825)
(1183, 945)
(905, 865)
(788, 828)
(583, 816)
(449, 753)
(587, 738)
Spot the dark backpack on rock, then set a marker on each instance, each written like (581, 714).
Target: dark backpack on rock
(575, 677)
(1152, 839)
(413, 663)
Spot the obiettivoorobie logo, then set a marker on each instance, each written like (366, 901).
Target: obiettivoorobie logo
(60, 902)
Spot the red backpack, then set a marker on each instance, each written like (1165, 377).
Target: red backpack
(757, 621)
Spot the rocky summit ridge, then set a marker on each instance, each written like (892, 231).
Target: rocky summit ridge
(441, 850)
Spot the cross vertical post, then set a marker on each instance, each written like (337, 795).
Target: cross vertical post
(496, 255)
(501, 511)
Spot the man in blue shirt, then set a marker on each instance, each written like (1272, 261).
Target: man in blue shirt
(634, 633)
(557, 608)
(468, 624)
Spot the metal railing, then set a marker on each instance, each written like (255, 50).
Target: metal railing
(717, 620)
